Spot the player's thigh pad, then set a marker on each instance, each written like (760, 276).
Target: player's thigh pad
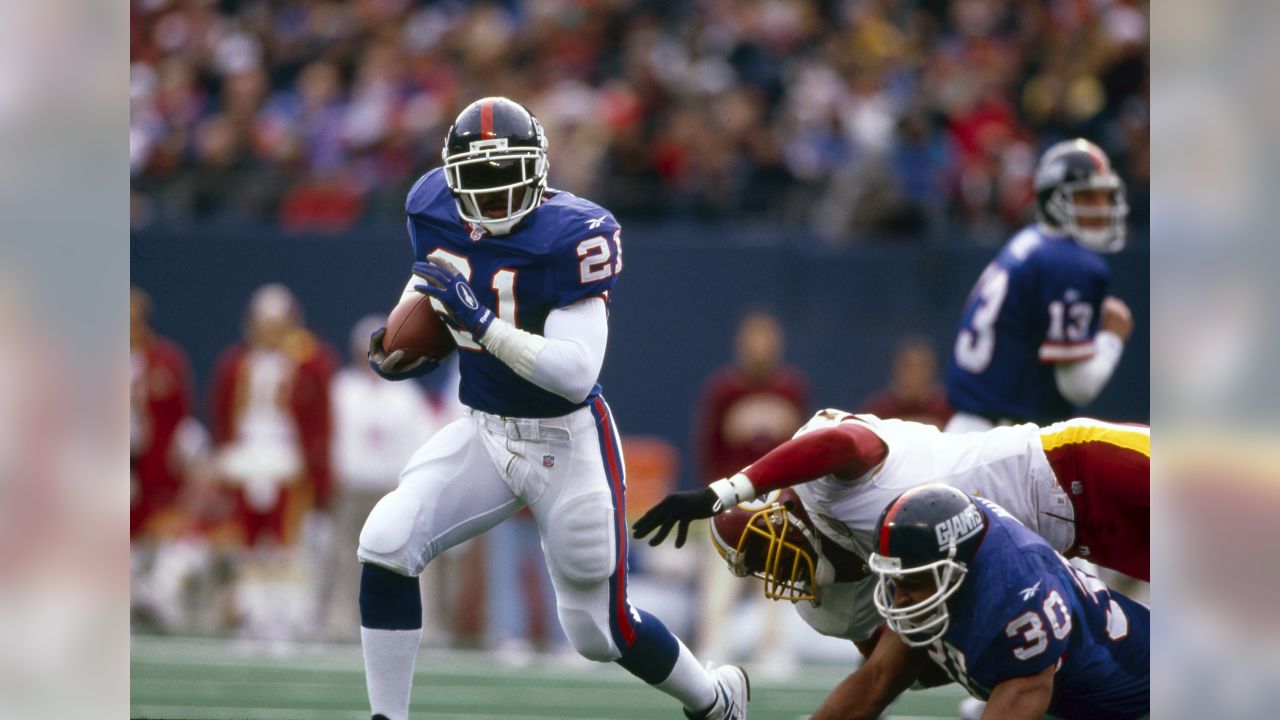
(449, 492)
(578, 538)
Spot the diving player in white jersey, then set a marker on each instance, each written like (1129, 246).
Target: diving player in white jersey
(1082, 485)
(1040, 336)
(522, 273)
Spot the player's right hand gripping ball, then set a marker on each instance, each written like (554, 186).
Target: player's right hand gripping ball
(455, 293)
(396, 364)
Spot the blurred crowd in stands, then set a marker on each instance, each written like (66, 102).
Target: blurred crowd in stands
(851, 118)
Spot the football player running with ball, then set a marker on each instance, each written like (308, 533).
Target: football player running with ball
(522, 274)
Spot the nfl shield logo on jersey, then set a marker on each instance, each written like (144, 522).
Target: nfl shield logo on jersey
(548, 461)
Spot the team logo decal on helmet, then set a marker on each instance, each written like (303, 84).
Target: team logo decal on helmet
(495, 164)
(1075, 166)
(925, 539)
(770, 538)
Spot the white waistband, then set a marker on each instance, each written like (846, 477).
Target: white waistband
(535, 428)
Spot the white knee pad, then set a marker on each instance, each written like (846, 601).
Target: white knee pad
(389, 526)
(578, 540)
(588, 636)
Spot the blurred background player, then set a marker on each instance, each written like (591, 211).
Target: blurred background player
(159, 401)
(160, 397)
(748, 406)
(1040, 336)
(489, 235)
(271, 430)
(914, 391)
(376, 427)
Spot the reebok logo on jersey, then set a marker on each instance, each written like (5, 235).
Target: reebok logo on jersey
(1028, 593)
(466, 296)
(959, 527)
(593, 224)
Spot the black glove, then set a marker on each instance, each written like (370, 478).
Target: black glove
(388, 365)
(679, 508)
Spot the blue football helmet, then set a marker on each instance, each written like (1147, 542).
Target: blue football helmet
(495, 163)
(925, 537)
(1067, 168)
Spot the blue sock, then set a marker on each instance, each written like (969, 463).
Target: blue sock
(389, 600)
(653, 653)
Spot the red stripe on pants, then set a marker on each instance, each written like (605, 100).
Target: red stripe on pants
(620, 527)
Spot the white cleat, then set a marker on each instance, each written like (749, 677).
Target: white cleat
(733, 692)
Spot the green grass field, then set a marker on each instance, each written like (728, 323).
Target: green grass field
(202, 679)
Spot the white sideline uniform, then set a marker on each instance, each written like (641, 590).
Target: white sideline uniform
(1006, 465)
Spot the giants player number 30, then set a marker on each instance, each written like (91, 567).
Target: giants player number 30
(522, 275)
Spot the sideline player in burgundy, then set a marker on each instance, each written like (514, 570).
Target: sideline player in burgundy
(522, 273)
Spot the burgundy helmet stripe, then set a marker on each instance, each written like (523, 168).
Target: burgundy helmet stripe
(486, 119)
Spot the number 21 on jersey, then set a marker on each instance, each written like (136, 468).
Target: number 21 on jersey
(598, 260)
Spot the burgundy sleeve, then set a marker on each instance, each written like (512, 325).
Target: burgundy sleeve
(848, 450)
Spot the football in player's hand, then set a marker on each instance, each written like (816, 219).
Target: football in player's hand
(414, 326)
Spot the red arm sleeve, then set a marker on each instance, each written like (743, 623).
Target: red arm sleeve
(847, 450)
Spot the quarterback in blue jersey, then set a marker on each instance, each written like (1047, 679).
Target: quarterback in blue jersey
(964, 585)
(522, 274)
(1039, 335)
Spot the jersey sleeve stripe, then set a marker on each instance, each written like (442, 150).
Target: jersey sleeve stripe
(1065, 352)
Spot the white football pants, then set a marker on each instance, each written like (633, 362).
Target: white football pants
(479, 470)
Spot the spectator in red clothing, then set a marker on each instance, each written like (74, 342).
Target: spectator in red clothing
(271, 432)
(159, 398)
(914, 392)
(752, 404)
(749, 407)
(270, 412)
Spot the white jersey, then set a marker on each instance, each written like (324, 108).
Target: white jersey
(1006, 465)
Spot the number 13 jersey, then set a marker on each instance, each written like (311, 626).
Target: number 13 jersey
(566, 250)
(1036, 304)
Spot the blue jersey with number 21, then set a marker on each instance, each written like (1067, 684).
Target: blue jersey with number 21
(566, 250)
(1022, 608)
(1036, 304)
